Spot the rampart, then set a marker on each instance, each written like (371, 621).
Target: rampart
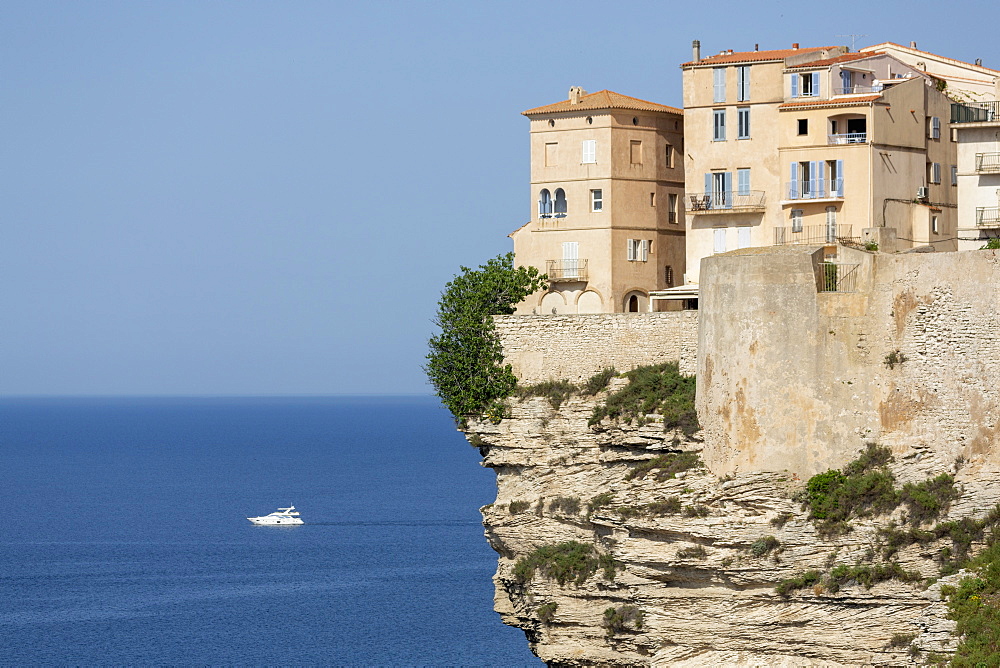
(793, 377)
(575, 347)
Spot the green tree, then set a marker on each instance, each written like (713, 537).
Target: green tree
(465, 363)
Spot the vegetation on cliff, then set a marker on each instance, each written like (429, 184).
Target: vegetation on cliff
(465, 363)
(571, 561)
(659, 388)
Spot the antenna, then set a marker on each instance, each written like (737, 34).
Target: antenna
(854, 39)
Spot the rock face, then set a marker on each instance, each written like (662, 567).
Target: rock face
(698, 564)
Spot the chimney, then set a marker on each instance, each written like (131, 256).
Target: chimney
(756, 47)
(575, 94)
(913, 45)
(795, 45)
(696, 51)
(979, 62)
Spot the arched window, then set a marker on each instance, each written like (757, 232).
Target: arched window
(544, 204)
(633, 304)
(560, 203)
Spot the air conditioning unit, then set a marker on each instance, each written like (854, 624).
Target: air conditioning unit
(922, 192)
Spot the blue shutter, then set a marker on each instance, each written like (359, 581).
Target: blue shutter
(719, 87)
(821, 178)
(840, 179)
(793, 185)
(727, 189)
(845, 81)
(795, 85)
(743, 181)
(708, 189)
(815, 76)
(746, 83)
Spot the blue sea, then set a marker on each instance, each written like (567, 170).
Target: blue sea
(123, 537)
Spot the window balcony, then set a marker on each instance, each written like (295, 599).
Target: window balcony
(988, 163)
(815, 189)
(727, 201)
(847, 138)
(566, 271)
(815, 235)
(975, 112)
(858, 90)
(988, 216)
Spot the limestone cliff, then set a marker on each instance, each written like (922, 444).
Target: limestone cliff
(692, 553)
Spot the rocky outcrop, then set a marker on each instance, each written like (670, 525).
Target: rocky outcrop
(698, 556)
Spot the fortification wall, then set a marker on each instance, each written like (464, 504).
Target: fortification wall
(575, 347)
(797, 379)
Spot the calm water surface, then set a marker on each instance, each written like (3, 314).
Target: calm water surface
(124, 537)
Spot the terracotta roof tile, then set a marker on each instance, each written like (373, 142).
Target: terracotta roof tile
(752, 56)
(603, 99)
(835, 102)
(846, 58)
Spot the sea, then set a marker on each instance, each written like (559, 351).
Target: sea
(124, 538)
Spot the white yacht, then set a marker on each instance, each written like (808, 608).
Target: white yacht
(283, 516)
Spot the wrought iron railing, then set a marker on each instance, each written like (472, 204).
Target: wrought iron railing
(988, 216)
(857, 90)
(836, 277)
(815, 189)
(815, 234)
(566, 270)
(988, 163)
(727, 201)
(975, 112)
(848, 138)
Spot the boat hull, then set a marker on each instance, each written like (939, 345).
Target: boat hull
(283, 521)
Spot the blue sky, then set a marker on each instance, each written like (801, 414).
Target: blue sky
(247, 197)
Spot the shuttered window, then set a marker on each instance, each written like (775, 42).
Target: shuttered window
(718, 125)
(935, 132)
(743, 83)
(743, 181)
(720, 240)
(589, 151)
(719, 87)
(743, 237)
(743, 123)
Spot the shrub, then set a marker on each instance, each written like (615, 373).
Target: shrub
(894, 358)
(600, 500)
(653, 389)
(670, 506)
(926, 500)
(696, 552)
(570, 505)
(621, 619)
(666, 466)
(697, 510)
(763, 545)
(868, 575)
(781, 520)
(625, 512)
(902, 639)
(517, 507)
(802, 581)
(547, 612)
(571, 561)
(991, 244)
(865, 487)
(598, 382)
(465, 364)
(556, 391)
(974, 605)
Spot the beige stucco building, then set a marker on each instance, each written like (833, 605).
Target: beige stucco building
(976, 126)
(814, 145)
(606, 194)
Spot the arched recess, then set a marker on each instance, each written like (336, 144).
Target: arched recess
(635, 301)
(589, 302)
(552, 303)
(560, 203)
(544, 203)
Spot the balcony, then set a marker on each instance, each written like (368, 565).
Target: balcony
(975, 112)
(988, 216)
(727, 201)
(847, 138)
(815, 189)
(988, 163)
(816, 235)
(566, 271)
(858, 90)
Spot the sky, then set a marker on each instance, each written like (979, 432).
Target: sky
(267, 198)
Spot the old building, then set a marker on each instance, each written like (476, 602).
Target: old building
(976, 126)
(607, 222)
(812, 145)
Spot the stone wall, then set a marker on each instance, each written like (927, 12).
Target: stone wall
(792, 378)
(575, 347)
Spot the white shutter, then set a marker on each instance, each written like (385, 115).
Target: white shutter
(743, 237)
(590, 151)
(720, 240)
(644, 250)
(631, 250)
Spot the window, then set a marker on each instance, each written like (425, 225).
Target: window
(954, 175)
(935, 129)
(718, 187)
(720, 240)
(831, 224)
(743, 237)
(836, 184)
(743, 181)
(551, 150)
(934, 225)
(544, 203)
(638, 250)
(589, 151)
(718, 125)
(796, 220)
(743, 83)
(743, 123)
(635, 152)
(803, 124)
(719, 88)
(560, 203)
(669, 157)
(597, 200)
(805, 85)
(652, 199)
(668, 276)
(935, 175)
(571, 259)
(672, 209)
